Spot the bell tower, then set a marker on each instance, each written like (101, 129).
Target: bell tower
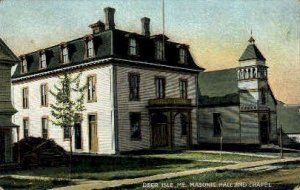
(256, 99)
(252, 78)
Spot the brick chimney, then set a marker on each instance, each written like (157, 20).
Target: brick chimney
(145, 26)
(97, 27)
(109, 18)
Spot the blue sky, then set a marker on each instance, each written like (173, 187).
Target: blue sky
(216, 30)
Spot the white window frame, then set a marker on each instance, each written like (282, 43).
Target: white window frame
(90, 48)
(65, 55)
(132, 46)
(43, 61)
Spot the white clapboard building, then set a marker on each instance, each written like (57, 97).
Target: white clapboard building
(142, 90)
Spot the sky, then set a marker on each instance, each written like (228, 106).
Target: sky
(217, 31)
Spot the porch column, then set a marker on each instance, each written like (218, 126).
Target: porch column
(170, 130)
(189, 136)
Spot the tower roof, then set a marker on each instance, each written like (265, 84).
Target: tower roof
(6, 55)
(252, 52)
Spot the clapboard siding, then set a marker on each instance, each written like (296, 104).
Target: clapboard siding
(230, 125)
(147, 91)
(103, 109)
(250, 128)
(5, 83)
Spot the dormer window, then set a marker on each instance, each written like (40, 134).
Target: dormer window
(43, 63)
(159, 50)
(132, 46)
(90, 48)
(24, 68)
(182, 56)
(65, 54)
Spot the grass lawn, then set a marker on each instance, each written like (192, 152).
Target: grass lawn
(20, 184)
(132, 166)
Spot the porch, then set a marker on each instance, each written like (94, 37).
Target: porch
(171, 123)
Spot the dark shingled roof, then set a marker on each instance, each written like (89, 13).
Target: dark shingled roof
(111, 43)
(218, 88)
(252, 52)
(289, 118)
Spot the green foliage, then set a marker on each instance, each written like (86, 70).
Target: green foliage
(69, 102)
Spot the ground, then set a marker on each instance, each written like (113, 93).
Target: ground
(134, 166)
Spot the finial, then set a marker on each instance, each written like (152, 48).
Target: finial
(251, 40)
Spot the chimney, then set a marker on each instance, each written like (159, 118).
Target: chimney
(145, 26)
(109, 18)
(97, 27)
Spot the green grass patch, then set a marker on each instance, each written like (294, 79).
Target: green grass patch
(132, 166)
(12, 183)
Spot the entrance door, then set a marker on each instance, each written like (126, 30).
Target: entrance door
(78, 137)
(264, 130)
(2, 147)
(159, 130)
(93, 138)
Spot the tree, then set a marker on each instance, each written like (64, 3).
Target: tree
(69, 103)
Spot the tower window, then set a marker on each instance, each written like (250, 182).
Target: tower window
(263, 96)
(132, 46)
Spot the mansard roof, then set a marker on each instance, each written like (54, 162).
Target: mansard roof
(218, 88)
(6, 55)
(252, 52)
(111, 43)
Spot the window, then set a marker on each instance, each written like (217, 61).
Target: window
(159, 50)
(67, 132)
(134, 86)
(24, 68)
(44, 93)
(183, 88)
(217, 124)
(263, 96)
(43, 63)
(90, 48)
(45, 128)
(182, 55)
(26, 127)
(65, 55)
(135, 126)
(160, 84)
(25, 98)
(93, 140)
(92, 89)
(184, 124)
(132, 46)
